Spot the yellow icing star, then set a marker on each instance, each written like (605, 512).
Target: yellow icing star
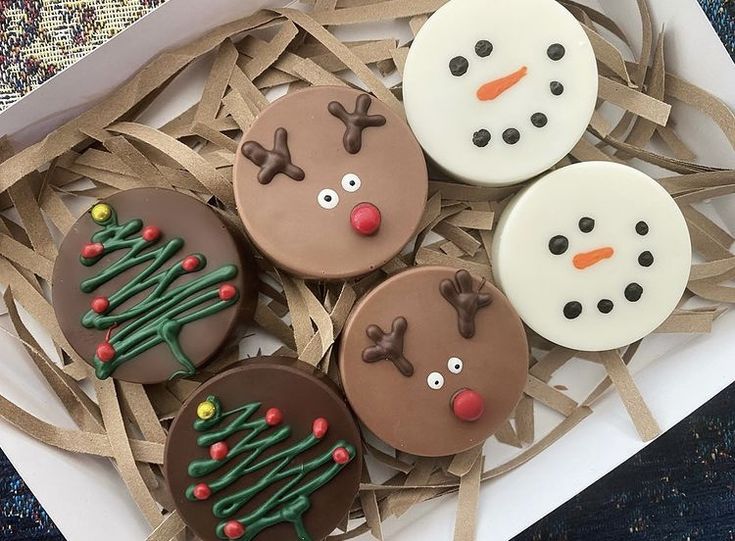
(205, 410)
(101, 212)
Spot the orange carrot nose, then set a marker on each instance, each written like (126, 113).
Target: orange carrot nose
(493, 89)
(587, 259)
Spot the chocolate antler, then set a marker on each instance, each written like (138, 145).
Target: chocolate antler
(461, 294)
(389, 346)
(272, 162)
(355, 122)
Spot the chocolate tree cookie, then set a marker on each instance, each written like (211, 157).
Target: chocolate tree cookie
(330, 183)
(266, 451)
(151, 283)
(433, 360)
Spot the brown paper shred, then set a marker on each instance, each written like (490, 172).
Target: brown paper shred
(416, 22)
(311, 72)
(369, 506)
(506, 434)
(74, 440)
(361, 529)
(462, 239)
(349, 58)
(188, 158)
(550, 363)
(214, 88)
(473, 219)
(678, 148)
(712, 269)
(80, 407)
(169, 528)
(53, 207)
(429, 257)
(642, 417)
(636, 102)
(690, 321)
(107, 397)
(32, 218)
(135, 160)
(400, 502)
(25, 257)
(276, 47)
(378, 11)
(549, 396)
(462, 463)
(524, 420)
(120, 101)
(467, 502)
(608, 54)
(390, 461)
(562, 428)
(141, 409)
(399, 58)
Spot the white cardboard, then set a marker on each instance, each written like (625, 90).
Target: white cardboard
(676, 374)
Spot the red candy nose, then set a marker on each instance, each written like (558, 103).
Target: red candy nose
(365, 218)
(468, 405)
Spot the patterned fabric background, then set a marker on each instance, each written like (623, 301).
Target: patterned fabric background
(39, 38)
(682, 487)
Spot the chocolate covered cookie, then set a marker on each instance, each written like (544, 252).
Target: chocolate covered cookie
(497, 91)
(266, 451)
(433, 360)
(330, 183)
(151, 283)
(594, 256)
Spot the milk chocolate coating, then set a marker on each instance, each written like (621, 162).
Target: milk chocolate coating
(284, 218)
(203, 232)
(404, 411)
(302, 394)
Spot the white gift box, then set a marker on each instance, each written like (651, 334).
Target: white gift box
(676, 374)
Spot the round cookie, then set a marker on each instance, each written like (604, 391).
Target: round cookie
(498, 91)
(150, 284)
(594, 256)
(266, 451)
(330, 183)
(433, 360)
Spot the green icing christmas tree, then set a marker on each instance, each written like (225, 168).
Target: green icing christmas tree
(162, 314)
(298, 481)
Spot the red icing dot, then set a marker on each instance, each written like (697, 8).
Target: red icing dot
(468, 405)
(151, 233)
(273, 417)
(319, 427)
(227, 292)
(365, 218)
(100, 304)
(202, 491)
(92, 250)
(233, 529)
(219, 450)
(190, 263)
(105, 352)
(341, 456)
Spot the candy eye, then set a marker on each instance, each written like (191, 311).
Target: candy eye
(455, 365)
(351, 182)
(558, 244)
(435, 381)
(327, 198)
(458, 66)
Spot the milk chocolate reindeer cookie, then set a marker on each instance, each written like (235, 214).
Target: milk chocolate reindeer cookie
(330, 183)
(434, 360)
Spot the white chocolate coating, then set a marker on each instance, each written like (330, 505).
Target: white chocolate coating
(597, 265)
(445, 112)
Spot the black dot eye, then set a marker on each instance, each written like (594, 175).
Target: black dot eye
(557, 89)
(641, 228)
(458, 66)
(605, 306)
(539, 120)
(481, 138)
(645, 259)
(327, 198)
(572, 310)
(633, 292)
(511, 136)
(586, 224)
(483, 48)
(556, 51)
(558, 244)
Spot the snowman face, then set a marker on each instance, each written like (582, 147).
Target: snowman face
(498, 91)
(593, 256)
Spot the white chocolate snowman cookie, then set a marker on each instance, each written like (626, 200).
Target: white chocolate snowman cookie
(593, 256)
(498, 91)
